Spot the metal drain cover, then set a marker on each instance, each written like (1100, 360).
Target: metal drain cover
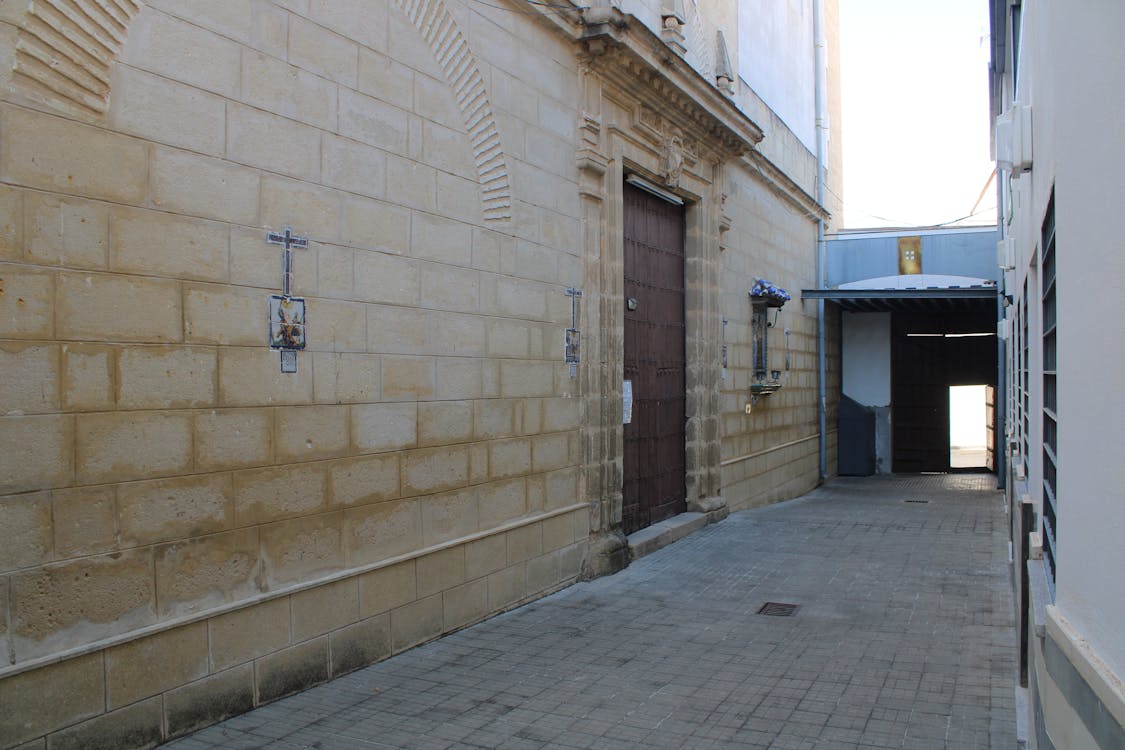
(779, 609)
(920, 502)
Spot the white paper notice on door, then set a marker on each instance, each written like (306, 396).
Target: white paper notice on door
(627, 402)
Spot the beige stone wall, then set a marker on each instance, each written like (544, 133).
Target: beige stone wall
(166, 494)
(771, 453)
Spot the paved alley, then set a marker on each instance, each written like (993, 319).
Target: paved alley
(903, 638)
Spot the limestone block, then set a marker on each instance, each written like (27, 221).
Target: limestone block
(88, 377)
(184, 52)
(276, 86)
(550, 452)
(440, 239)
(450, 150)
(209, 700)
(353, 166)
(384, 427)
(562, 488)
(85, 521)
(536, 494)
(364, 480)
(440, 570)
(485, 556)
(380, 277)
(337, 326)
(558, 532)
(507, 587)
(491, 250)
(516, 298)
(264, 495)
(459, 378)
(31, 379)
(387, 588)
(307, 208)
(27, 304)
(465, 604)
(457, 335)
(561, 414)
(500, 502)
(523, 379)
(508, 338)
(233, 438)
(444, 422)
(525, 543)
(384, 77)
(408, 378)
(535, 261)
(64, 156)
(187, 183)
(358, 645)
(11, 223)
(225, 315)
(44, 699)
(478, 463)
(180, 653)
(194, 575)
(434, 470)
(415, 184)
(448, 516)
(254, 262)
(162, 110)
(325, 608)
(67, 604)
(341, 378)
(103, 307)
(509, 458)
(434, 100)
(169, 509)
(448, 288)
(458, 197)
(323, 52)
(67, 232)
(245, 634)
(544, 572)
(36, 452)
(373, 122)
(495, 418)
(25, 526)
(252, 377)
(303, 548)
(416, 622)
(335, 271)
(292, 670)
(292, 148)
(397, 330)
(304, 433)
(117, 447)
(559, 231)
(374, 225)
(152, 377)
(380, 531)
(572, 559)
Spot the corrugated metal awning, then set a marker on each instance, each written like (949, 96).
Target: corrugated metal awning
(956, 299)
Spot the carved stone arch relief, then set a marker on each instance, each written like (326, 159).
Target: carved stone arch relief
(457, 62)
(64, 51)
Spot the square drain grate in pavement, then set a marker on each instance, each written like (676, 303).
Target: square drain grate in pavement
(920, 502)
(779, 609)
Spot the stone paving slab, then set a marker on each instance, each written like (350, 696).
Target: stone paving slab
(903, 639)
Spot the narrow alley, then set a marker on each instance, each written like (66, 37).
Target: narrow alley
(902, 638)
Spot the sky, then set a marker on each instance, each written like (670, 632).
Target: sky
(915, 114)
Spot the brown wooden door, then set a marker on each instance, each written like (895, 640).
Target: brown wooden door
(654, 487)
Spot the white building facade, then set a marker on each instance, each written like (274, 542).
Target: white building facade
(1057, 72)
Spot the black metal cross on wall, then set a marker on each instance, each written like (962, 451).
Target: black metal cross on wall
(289, 241)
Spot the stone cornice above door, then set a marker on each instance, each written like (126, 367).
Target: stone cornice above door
(640, 66)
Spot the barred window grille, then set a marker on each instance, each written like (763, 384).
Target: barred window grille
(1050, 397)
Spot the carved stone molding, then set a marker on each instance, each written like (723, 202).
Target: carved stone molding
(64, 51)
(442, 34)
